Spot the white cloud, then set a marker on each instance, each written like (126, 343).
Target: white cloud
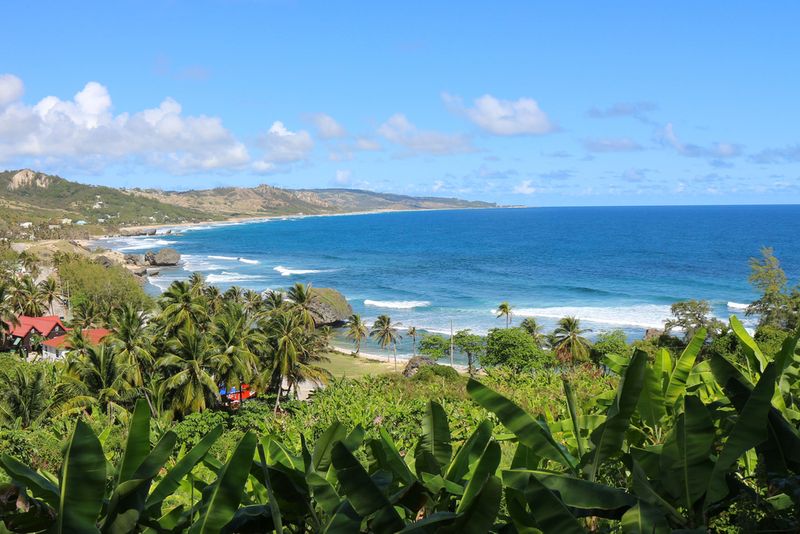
(342, 177)
(525, 187)
(438, 185)
(11, 89)
(717, 150)
(284, 146)
(399, 130)
(327, 127)
(503, 117)
(84, 130)
(622, 144)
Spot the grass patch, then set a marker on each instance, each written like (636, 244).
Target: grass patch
(344, 365)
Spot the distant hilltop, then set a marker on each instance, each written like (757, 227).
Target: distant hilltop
(35, 205)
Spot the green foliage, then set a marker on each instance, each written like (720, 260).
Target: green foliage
(516, 349)
(692, 315)
(434, 346)
(612, 342)
(428, 373)
(104, 287)
(194, 426)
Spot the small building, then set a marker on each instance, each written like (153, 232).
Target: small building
(23, 336)
(53, 226)
(66, 222)
(81, 223)
(57, 347)
(235, 396)
(26, 224)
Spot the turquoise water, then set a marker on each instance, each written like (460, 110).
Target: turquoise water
(611, 267)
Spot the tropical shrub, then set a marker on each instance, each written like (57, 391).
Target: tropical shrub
(515, 348)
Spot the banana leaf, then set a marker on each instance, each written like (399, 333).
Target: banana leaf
(222, 500)
(644, 518)
(609, 437)
(137, 447)
(677, 380)
(749, 430)
(183, 467)
(469, 452)
(485, 468)
(39, 486)
(361, 491)
(83, 480)
(548, 511)
(481, 514)
(435, 439)
(530, 432)
(321, 457)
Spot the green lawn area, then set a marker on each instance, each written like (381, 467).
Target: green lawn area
(345, 365)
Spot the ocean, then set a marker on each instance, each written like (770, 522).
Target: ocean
(612, 267)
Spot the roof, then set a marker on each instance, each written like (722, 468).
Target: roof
(43, 325)
(93, 335)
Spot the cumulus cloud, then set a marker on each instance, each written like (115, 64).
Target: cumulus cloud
(343, 177)
(503, 117)
(525, 187)
(84, 129)
(717, 150)
(399, 130)
(621, 144)
(11, 89)
(282, 145)
(327, 127)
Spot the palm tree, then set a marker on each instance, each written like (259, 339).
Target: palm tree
(412, 331)
(386, 334)
(292, 349)
(27, 297)
(132, 343)
(8, 316)
(29, 263)
(50, 293)
(274, 300)
(232, 340)
(24, 396)
(94, 376)
(568, 340)
(504, 309)
(356, 330)
(252, 303)
(197, 283)
(86, 315)
(532, 327)
(189, 383)
(181, 306)
(302, 298)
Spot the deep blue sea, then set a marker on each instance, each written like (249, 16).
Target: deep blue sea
(613, 267)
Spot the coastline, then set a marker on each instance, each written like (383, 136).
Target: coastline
(264, 218)
(401, 358)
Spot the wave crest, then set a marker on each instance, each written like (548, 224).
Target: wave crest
(397, 304)
(285, 271)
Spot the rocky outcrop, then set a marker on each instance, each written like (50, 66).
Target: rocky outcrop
(653, 333)
(133, 232)
(329, 307)
(166, 257)
(135, 259)
(415, 364)
(104, 261)
(28, 178)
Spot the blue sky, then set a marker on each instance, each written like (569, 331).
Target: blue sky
(567, 103)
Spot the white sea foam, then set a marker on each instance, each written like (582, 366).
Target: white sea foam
(397, 304)
(143, 244)
(229, 277)
(737, 306)
(641, 315)
(285, 271)
(229, 258)
(251, 262)
(195, 263)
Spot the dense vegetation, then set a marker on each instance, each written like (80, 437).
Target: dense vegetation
(692, 429)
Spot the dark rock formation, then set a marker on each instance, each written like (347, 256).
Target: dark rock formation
(329, 307)
(415, 364)
(135, 259)
(653, 333)
(166, 257)
(104, 261)
(133, 232)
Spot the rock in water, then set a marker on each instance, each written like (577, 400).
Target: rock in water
(329, 307)
(415, 364)
(163, 258)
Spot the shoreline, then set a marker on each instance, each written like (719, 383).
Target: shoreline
(389, 360)
(265, 218)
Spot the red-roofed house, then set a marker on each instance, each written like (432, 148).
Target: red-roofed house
(54, 349)
(22, 335)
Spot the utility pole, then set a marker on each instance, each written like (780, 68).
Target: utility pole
(451, 343)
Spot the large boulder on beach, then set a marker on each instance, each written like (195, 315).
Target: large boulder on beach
(165, 257)
(329, 307)
(415, 364)
(135, 259)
